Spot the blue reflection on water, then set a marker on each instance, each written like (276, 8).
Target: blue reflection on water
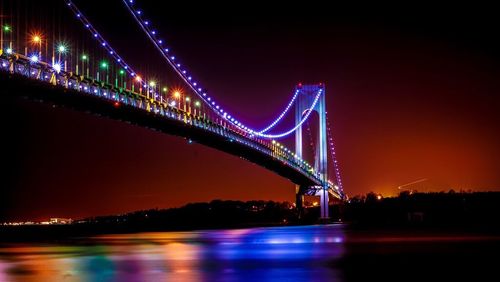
(300, 253)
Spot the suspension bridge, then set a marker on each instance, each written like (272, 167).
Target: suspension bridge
(112, 87)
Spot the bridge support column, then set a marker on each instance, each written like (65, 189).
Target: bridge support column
(308, 94)
(299, 200)
(323, 200)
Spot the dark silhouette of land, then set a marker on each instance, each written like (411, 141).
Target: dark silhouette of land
(456, 211)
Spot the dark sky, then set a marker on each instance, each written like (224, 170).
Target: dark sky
(412, 93)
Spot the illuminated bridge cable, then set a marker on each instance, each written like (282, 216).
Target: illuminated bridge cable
(311, 141)
(275, 122)
(188, 79)
(304, 119)
(182, 73)
(334, 157)
(104, 44)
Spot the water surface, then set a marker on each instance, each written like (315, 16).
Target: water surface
(303, 253)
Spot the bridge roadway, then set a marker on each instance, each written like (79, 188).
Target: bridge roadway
(38, 81)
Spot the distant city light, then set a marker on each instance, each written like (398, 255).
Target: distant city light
(138, 79)
(84, 57)
(122, 72)
(34, 58)
(152, 83)
(6, 28)
(104, 65)
(177, 94)
(165, 89)
(9, 51)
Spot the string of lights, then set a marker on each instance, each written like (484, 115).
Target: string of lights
(152, 34)
(104, 44)
(282, 114)
(304, 119)
(172, 60)
(334, 156)
(178, 68)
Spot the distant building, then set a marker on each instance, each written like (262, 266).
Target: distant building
(58, 220)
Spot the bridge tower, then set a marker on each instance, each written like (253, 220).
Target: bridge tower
(305, 98)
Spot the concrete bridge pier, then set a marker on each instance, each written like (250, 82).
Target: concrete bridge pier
(299, 200)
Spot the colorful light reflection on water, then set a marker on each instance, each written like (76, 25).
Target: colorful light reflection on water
(284, 253)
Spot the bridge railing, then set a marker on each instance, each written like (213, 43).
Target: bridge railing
(41, 71)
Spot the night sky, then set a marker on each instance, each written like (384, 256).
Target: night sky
(412, 93)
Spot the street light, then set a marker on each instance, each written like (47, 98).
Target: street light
(104, 66)
(137, 79)
(37, 39)
(34, 58)
(177, 95)
(84, 59)
(121, 72)
(188, 100)
(151, 89)
(6, 29)
(197, 105)
(61, 49)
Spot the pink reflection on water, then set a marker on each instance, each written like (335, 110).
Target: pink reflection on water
(179, 256)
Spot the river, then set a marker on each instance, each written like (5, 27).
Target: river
(297, 253)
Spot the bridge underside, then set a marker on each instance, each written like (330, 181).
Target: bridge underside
(18, 86)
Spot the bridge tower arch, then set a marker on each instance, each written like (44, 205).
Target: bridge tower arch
(305, 98)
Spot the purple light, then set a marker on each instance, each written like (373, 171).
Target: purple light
(57, 67)
(34, 58)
